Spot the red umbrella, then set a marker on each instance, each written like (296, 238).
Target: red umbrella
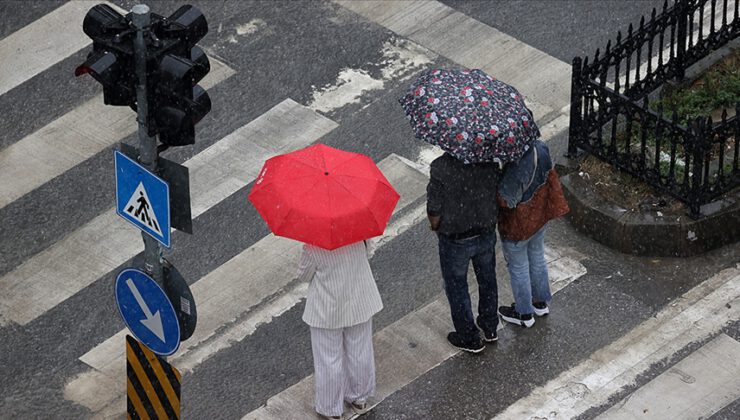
(324, 196)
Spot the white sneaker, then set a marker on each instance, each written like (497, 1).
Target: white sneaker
(541, 308)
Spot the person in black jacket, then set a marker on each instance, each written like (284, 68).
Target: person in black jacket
(462, 210)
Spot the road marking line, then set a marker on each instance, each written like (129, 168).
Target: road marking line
(400, 60)
(30, 50)
(105, 242)
(226, 295)
(699, 313)
(70, 140)
(474, 44)
(695, 388)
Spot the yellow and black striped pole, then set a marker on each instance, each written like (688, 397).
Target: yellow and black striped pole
(153, 390)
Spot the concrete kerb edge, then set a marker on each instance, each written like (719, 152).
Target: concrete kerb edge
(645, 233)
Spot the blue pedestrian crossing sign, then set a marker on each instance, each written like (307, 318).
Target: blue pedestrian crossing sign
(147, 311)
(142, 198)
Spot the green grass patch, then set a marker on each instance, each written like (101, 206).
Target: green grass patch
(717, 88)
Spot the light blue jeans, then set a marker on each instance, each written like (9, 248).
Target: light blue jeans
(528, 271)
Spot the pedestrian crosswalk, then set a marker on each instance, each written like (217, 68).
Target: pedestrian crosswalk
(256, 286)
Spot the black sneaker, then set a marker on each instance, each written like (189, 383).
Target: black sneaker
(540, 308)
(509, 314)
(488, 337)
(475, 346)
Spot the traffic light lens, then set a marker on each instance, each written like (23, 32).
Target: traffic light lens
(102, 66)
(82, 69)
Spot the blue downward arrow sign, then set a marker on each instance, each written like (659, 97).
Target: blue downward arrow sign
(153, 322)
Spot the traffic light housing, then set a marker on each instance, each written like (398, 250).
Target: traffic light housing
(174, 67)
(178, 101)
(111, 62)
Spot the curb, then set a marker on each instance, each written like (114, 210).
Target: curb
(646, 233)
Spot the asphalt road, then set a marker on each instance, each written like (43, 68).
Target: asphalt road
(299, 50)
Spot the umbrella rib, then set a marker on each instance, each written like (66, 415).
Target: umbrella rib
(296, 160)
(377, 225)
(272, 180)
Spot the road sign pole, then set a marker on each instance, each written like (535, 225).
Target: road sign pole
(147, 143)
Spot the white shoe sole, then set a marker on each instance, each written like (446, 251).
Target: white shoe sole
(484, 334)
(469, 350)
(541, 312)
(516, 321)
(360, 409)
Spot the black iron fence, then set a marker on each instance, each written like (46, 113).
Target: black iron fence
(693, 159)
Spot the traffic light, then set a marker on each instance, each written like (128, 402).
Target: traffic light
(111, 62)
(178, 102)
(174, 66)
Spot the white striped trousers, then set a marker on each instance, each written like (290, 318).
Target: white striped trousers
(344, 366)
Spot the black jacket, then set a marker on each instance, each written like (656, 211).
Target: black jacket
(464, 196)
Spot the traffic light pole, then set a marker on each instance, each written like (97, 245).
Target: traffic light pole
(147, 144)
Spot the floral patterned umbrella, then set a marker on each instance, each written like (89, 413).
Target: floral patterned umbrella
(470, 115)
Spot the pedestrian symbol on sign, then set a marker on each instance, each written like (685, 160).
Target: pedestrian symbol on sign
(139, 208)
(142, 198)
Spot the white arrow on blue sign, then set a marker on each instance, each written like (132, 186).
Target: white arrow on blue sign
(142, 198)
(147, 312)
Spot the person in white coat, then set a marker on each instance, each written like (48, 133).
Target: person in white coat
(342, 299)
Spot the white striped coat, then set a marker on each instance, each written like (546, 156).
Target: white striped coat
(342, 290)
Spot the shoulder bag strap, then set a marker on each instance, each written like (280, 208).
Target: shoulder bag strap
(534, 170)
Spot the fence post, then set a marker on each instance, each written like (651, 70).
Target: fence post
(698, 131)
(575, 128)
(681, 38)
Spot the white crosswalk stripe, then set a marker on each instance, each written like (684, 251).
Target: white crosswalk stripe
(31, 50)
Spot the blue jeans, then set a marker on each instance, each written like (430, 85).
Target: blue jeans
(455, 256)
(528, 271)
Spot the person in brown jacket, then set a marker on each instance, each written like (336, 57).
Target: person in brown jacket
(530, 195)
